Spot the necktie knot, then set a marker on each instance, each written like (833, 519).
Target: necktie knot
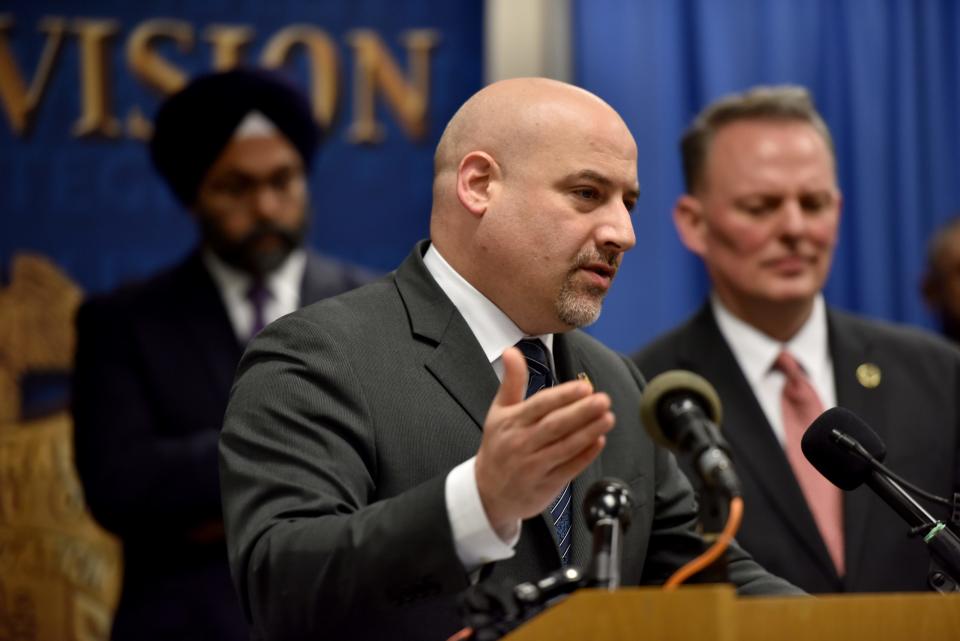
(538, 365)
(258, 293)
(787, 364)
(797, 385)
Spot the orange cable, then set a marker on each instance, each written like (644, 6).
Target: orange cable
(460, 635)
(713, 553)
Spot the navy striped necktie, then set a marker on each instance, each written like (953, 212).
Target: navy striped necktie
(539, 376)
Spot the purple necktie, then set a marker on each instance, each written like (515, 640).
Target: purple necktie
(258, 295)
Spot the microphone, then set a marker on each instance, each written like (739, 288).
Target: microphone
(607, 507)
(494, 609)
(681, 411)
(844, 449)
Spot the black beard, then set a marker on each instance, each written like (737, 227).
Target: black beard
(243, 254)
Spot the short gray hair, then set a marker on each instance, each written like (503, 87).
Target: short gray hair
(776, 103)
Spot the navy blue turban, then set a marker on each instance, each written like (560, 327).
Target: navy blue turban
(194, 125)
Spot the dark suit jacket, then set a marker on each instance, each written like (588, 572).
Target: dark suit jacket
(342, 426)
(153, 371)
(915, 410)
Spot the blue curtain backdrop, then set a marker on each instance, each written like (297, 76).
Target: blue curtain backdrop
(884, 73)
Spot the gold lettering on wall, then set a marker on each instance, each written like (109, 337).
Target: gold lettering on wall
(95, 118)
(324, 65)
(378, 77)
(375, 69)
(149, 66)
(19, 101)
(229, 42)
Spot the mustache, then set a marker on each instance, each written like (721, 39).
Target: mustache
(596, 255)
(266, 228)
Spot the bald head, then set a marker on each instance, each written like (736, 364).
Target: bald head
(516, 169)
(507, 115)
(509, 120)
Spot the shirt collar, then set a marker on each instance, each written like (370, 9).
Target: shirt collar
(494, 330)
(756, 352)
(283, 282)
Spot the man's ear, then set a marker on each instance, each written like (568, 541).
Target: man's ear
(691, 226)
(476, 181)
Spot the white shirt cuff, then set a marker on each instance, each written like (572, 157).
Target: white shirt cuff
(475, 539)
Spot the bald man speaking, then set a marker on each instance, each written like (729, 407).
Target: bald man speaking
(383, 449)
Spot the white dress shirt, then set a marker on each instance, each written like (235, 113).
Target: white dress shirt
(756, 352)
(283, 284)
(476, 541)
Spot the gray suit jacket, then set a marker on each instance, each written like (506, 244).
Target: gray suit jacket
(343, 423)
(915, 410)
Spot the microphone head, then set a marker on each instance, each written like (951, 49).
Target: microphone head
(841, 466)
(668, 385)
(608, 498)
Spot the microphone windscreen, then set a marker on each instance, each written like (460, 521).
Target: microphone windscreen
(837, 463)
(668, 385)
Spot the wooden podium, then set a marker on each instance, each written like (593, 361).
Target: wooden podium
(716, 613)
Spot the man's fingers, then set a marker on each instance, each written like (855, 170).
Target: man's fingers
(566, 419)
(561, 451)
(513, 387)
(550, 399)
(573, 466)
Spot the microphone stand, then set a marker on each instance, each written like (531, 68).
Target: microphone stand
(492, 611)
(718, 483)
(943, 543)
(714, 510)
(608, 504)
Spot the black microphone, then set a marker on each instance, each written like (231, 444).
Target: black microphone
(842, 448)
(848, 453)
(681, 411)
(607, 507)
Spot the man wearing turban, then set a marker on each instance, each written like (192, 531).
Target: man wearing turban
(155, 360)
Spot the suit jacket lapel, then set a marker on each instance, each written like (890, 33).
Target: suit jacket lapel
(849, 349)
(206, 324)
(460, 366)
(458, 363)
(757, 451)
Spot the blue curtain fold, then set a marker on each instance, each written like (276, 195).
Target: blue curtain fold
(884, 74)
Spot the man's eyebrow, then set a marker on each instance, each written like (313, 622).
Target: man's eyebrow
(590, 174)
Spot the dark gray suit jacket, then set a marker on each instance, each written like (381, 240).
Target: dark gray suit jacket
(343, 423)
(915, 410)
(154, 365)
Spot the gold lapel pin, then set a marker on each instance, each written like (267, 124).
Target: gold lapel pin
(582, 376)
(868, 374)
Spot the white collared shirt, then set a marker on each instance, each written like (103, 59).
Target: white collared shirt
(756, 352)
(283, 283)
(476, 541)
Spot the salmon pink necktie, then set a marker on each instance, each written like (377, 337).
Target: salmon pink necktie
(801, 405)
